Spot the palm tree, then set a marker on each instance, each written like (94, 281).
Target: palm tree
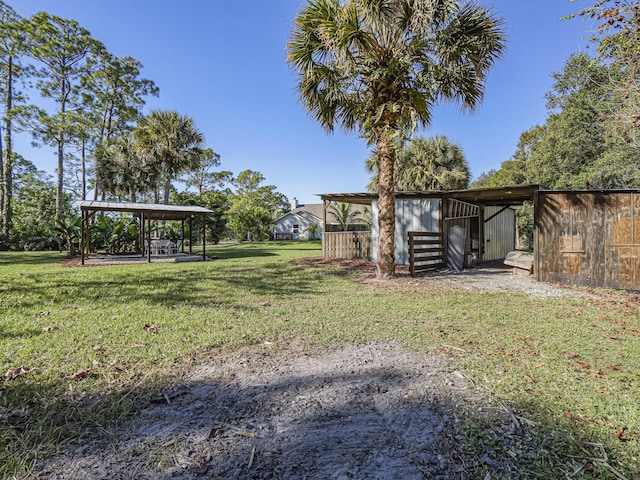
(432, 163)
(120, 171)
(313, 231)
(379, 66)
(169, 142)
(344, 215)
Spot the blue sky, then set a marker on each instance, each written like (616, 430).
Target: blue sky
(223, 63)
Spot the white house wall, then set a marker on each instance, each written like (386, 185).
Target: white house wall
(285, 225)
(412, 215)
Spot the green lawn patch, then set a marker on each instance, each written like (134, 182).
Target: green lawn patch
(81, 349)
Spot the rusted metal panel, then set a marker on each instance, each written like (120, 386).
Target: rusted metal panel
(589, 238)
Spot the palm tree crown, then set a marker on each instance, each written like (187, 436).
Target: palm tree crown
(379, 67)
(344, 215)
(433, 163)
(169, 141)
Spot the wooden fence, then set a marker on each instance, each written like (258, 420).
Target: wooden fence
(426, 252)
(346, 245)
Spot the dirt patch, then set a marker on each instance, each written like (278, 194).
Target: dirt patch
(491, 277)
(373, 411)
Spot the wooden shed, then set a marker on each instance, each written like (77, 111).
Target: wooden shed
(589, 238)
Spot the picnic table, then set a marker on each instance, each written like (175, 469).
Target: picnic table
(162, 247)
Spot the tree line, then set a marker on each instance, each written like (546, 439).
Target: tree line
(65, 88)
(590, 137)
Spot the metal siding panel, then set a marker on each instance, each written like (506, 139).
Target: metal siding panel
(411, 215)
(433, 219)
(403, 212)
(374, 230)
(499, 233)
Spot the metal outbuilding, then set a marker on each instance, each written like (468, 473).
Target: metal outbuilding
(485, 215)
(581, 237)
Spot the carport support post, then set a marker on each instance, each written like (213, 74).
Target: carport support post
(142, 235)
(82, 235)
(149, 239)
(536, 235)
(204, 237)
(190, 234)
(324, 224)
(182, 238)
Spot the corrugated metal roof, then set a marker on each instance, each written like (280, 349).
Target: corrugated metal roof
(150, 210)
(511, 195)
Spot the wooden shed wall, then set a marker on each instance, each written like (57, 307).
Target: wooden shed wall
(589, 238)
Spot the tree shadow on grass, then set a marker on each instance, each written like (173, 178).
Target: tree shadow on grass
(262, 249)
(31, 258)
(20, 332)
(176, 285)
(229, 252)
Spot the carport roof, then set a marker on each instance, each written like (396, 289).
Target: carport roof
(512, 195)
(152, 211)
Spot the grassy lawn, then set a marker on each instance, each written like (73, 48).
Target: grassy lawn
(83, 348)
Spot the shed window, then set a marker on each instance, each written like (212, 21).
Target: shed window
(296, 228)
(572, 239)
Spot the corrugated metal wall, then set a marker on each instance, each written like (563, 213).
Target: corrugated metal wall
(499, 233)
(412, 215)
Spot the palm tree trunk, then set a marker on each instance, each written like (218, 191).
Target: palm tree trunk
(167, 190)
(386, 266)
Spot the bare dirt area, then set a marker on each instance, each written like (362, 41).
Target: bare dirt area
(372, 411)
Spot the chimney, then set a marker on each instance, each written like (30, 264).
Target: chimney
(294, 204)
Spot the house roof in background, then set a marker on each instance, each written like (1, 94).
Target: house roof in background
(314, 209)
(302, 215)
(153, 211)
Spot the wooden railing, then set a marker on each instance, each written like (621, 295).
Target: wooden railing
(346, 245)
(282, 236)
(426, 252)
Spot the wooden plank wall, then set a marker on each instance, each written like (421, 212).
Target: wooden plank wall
(589, 238)
(346, 245)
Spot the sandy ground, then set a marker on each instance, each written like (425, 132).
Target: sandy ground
(372, 411)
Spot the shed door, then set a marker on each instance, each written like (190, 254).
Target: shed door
(499, 233)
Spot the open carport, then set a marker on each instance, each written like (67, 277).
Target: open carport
(146, 212)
